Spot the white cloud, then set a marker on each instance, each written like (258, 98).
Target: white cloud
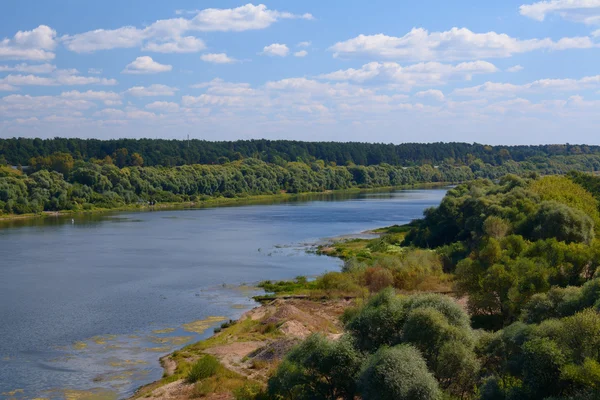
(163, 106)
(111, 98)
(151, 91)
(302, 53)
(585, 11)
(188, 44)
(60, 77)
(515, 68)
(248, 17)
(5, 87)
(432, 93)
(276, 49)
(422, 74)
(167, 35)
(94, 71)
(304, 44)
(26, 106)
(218, 58)
(146, 65)
(28, 68)
(492, 89)
(455, 44)
(35, 45)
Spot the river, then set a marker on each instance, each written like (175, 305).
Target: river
(89, 304)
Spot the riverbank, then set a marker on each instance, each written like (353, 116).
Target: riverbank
(215, 202)
(249, 350)
(245, 352)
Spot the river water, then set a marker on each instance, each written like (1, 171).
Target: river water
(88, 305)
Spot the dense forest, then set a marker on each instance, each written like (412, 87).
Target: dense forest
(62, 182)
(158, 152)
(523, 254)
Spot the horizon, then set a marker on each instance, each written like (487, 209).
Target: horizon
(519, 72)
(303, 141)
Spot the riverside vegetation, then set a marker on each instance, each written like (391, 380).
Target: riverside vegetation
(495, 294)
(83, 175)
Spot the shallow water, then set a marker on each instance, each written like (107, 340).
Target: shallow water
(91, 304)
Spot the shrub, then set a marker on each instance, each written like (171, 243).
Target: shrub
(250, 391)
(457, 368)
(317, 369)
(204, 368)
(543, 360)
(555, 220)
(379, 323)
(378, 279)
(398, 373)
(428, 330)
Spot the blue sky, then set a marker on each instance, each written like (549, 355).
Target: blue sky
(498, 72)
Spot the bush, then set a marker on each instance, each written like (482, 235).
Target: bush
(204, 368)
(317, 369)
(378, 279)
(555, 220)
(250, 391)
(398, 373)
(379, 323)
(457, 368)
(543, 360)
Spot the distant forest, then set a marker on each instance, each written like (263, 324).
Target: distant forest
(159, 152)
(77, 175)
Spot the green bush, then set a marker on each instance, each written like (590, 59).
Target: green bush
(398, 373)
(204, 368)
(379, 323)
(318, 369)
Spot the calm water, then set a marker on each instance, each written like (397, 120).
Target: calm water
(91, 304)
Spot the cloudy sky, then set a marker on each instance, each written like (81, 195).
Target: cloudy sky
(380, 70)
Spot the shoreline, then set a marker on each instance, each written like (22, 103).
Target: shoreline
(214, 202)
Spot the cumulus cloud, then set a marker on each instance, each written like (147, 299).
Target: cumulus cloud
(217, 58)
(432, 93)
(5, 87)
(302, 53)
(107, 97)
(421, 74)
(276, 50)
(28, 68)
(146, 65)
(188, 44)
(26, 106)
(163, 106)
(57, 78)
(515, 68)
(492, 89)
(151, 91)
(168, 35)
(304, 44)
(34, 45)
(452, 45)
(584, 11)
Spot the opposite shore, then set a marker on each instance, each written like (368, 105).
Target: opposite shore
(216, 202)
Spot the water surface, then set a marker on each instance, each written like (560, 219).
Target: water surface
(91, 304)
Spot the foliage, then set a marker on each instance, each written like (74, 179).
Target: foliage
(205, 367)
(318, 369)
(398, 373)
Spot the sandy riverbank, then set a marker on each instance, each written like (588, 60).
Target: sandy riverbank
(248, 350)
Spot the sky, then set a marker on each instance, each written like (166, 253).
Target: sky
(392, 71)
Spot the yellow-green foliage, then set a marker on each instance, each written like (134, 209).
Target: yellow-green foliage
(565, 191)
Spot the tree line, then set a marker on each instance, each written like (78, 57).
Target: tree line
(160, 152)
(61, 182)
